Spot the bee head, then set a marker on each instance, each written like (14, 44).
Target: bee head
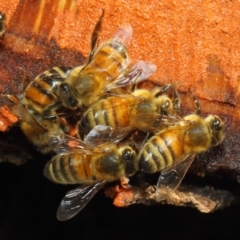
(163, 102)
(129, 156)
(217, 127)
(66, 97)
(166, 105)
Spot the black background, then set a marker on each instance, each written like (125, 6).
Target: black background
(28, 204)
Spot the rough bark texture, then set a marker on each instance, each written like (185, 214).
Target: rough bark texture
(206, 199)
(194, 44)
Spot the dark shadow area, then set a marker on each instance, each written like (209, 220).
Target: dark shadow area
(28, 205)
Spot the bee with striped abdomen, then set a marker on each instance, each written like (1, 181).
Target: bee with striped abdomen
(108, 67)
(172, 150)
(40, 101)
(147, 110)
(41, 97)
(90, 166)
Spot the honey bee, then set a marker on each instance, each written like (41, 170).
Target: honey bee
(108, 67)
(41, 95)
(38, 105)
(143, 109)
(89, 166)
(38, 102)
(2, 24)
(172, 150)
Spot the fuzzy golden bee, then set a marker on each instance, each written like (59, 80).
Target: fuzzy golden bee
(37, 107)
(173, 149)
(41, 96)
(90, 166)
(147, 110)
(40, 99)
(108, 67)
(2, 24)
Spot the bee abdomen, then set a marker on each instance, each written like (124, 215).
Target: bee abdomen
(112, 57)
(108, 112)
(155, 155)
(68, 169)
(42, 91)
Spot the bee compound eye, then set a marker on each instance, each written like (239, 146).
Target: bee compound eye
(166, 104)
(217, 124)
(67, 98)
(130, 167)
(72, 102)
(165, 107)
(127, 154)
(64, 87)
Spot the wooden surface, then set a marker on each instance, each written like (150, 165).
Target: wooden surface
(194, 44)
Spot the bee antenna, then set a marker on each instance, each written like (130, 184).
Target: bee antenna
(163, 90)
(197, 105)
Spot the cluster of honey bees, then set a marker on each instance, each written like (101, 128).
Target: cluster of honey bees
(86, 114)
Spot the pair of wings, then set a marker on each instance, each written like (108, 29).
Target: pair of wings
(75, 200)
(171, 178)
(99, 140)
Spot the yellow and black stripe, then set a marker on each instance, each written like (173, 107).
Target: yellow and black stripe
(161, 151)
(70, 168)
(41, 93)
(113, 112)
(109, 61)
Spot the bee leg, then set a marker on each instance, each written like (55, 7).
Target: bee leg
(25, 78)
(50, 117)
(195, 101)
(124, 182)
(163, 90)
(68, 128)
(144, 140)
(117, 92)
(133, 87)
(12, 98)
(176, 101)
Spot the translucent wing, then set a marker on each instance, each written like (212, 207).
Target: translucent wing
(101, 134)
(64, 144)
(21, 112)
(76, 199)
(171, 178)
(124, 34)
(140, 71)
(116, 130)
(153, 122)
